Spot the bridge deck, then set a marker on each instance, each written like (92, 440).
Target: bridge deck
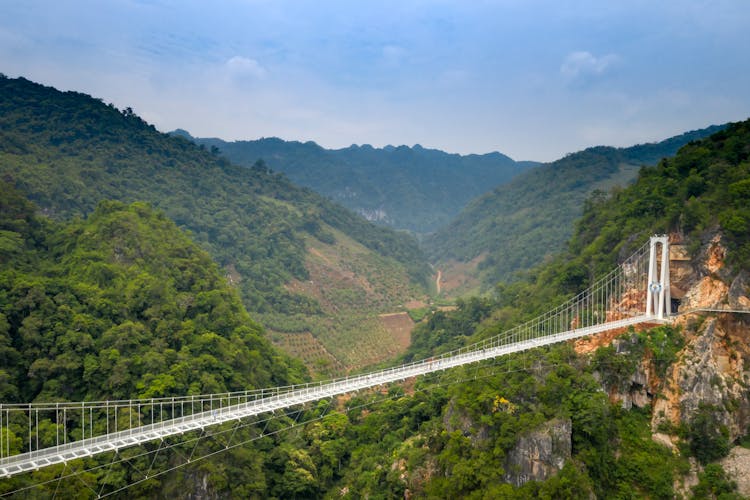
(117, 440)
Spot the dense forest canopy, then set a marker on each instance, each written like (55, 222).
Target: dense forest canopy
(697, 193)
(120, 305)
(67, 151)
(467, 443)
(124, 305)
(105, 299)
(707, 185)
(469, 433)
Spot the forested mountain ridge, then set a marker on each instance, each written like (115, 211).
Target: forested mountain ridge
(411, 188)
(516, 225)
(67, 151)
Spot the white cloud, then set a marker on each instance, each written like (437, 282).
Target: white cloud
(243, 68)
(583, 66)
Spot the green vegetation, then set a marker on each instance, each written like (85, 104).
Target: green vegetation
(453, 437)
(444, 331)
(521, 223)
(659, 345)
(120, 305)
(411, 188)
(706, 186)
(713, 483)
(352, 287)
(419, 313)
(707, 437)
(67, 152)
(124, 305)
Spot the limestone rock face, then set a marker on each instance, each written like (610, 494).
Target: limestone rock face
(638, 390)
(738, 290)
(737, 465)
(197, 487)
(539, 454)
(455, 419)
(712, 369)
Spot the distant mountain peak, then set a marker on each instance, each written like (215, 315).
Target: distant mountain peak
(419, 188)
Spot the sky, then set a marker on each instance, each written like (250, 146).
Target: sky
(533, 79)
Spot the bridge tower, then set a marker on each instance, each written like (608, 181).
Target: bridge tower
(658, 300)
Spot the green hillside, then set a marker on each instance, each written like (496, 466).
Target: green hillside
(119, 305)
(67, 151)
(516, 225)
(704, 187)
(122, 305)
(553, 422)
(411, 188)
(700, 192)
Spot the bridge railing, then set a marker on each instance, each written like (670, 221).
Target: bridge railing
(32, 427)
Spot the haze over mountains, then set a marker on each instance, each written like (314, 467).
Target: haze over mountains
(528, 215)
(411, 188)
(481, 218)
(513, 227)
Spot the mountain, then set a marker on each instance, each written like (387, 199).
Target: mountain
(661, 412)
(411, 188)
(287, 249)
(514, 227)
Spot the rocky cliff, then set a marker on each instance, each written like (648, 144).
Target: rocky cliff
(712, 369)
(701, 402)
(540, 454)
(686, 383)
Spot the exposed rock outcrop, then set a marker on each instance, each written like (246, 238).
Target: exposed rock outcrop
(738, 292)
(712, 367)
(539, 454)
(455, 419)
(711, 371)
(737, 466)
(638, 390)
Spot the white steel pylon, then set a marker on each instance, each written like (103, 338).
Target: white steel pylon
(658, 299)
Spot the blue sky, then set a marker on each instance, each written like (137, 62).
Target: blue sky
(532, 79)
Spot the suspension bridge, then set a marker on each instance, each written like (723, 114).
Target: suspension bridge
(36, 435)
